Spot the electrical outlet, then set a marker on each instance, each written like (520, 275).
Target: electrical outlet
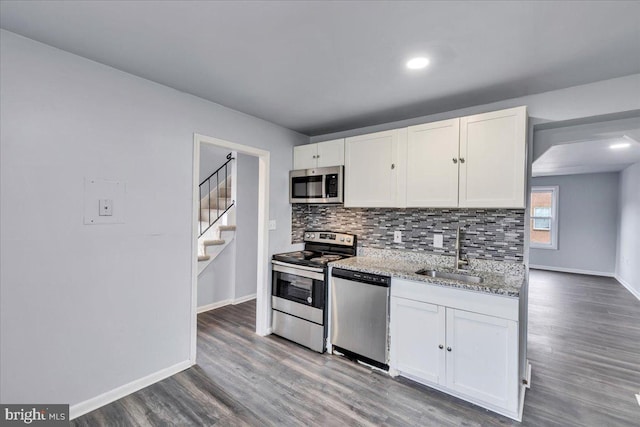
(438, 241)
(397, 236)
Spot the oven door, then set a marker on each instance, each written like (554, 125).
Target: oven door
(301, 284)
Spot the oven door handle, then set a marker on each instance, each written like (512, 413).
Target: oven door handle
(299, 270)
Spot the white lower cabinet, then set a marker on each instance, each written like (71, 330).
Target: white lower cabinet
(482, 357)
(471, 355)
(418, 338)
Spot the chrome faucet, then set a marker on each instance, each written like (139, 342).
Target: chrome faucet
(458, 261)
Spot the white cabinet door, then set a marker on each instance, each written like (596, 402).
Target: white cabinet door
(432, 164)
(417, 339)
(492, 159)
(330, 153)
(304, 156)
(371, 169)
(482, 357)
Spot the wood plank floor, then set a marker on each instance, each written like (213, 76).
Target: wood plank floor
(584, 345)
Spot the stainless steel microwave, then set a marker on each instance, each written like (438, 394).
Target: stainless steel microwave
(315, 186)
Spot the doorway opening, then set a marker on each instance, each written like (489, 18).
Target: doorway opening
(249, 158)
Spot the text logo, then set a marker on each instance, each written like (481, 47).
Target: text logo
(35, 415)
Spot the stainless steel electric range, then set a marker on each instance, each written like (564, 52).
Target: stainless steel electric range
(299, 287)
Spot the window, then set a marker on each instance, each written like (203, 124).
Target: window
(544, 217)
(541, 218)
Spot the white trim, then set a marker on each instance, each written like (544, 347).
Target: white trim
(243, 299)
(572, 270)
(627, 285)
(555, 200)
(263, 302)
(214, 305)
(225, 302)
(119, 392)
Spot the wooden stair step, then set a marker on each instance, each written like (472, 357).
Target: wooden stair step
(204, 257)
(227, 228)
(213, 242)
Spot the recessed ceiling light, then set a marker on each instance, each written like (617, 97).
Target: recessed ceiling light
(620, 145)
(417, 63)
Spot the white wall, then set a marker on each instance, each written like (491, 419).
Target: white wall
(628, 265)
(216, 282)
(211, 158)
(587, 223)
(86, 309)
(247, 226)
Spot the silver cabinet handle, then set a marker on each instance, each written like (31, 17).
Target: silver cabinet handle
(314, 156)
(461, 159)
(440, 346)
(448, 348)
(455, 160)
(318, 156)
(393, 165)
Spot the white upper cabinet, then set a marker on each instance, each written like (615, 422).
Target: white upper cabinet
(304, 156)
(320, 155)
(330, 153)
(372, 163)
(432, 164)
(492, 159)
(470, 162)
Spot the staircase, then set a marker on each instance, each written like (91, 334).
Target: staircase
(217, 211)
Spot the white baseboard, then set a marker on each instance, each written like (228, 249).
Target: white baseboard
(244, 299)
(572, 270)
(118, 393)
(627, 285)
(267, 332)
(225, 302)
(214, 305)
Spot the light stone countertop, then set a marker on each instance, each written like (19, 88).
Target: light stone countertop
(499, 278)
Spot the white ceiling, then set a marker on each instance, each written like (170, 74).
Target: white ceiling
(319, 67)
(587, 157)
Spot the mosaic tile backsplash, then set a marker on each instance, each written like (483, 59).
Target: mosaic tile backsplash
(493, 234)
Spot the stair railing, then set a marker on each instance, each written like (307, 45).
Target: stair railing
(215, 178)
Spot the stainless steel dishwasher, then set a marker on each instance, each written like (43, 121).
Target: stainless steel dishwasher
(360, 316)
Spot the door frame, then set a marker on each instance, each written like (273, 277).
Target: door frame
(263, 302)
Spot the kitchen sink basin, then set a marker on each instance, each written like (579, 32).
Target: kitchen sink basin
(452, 276)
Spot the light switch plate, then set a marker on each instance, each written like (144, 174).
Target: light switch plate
(105, 207)
(397, 236)
(104, 201)
(272, 224)
(438, 241)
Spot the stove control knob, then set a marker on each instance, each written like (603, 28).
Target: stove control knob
(306, 236)
(342, 239)
(313, 236)
(309, 300)
(348, 239)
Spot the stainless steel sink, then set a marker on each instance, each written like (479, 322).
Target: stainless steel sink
(452, 276)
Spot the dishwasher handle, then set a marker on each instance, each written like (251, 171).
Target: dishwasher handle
(359, 276)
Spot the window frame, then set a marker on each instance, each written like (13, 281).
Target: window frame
(553, 226)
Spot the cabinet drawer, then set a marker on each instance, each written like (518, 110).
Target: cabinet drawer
(477, 302)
